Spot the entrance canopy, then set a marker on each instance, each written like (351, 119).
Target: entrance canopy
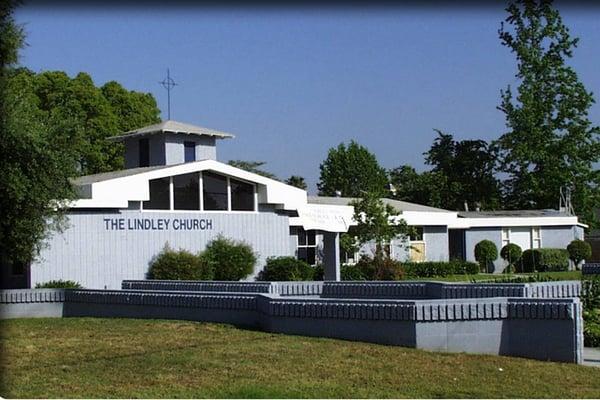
(328, 218)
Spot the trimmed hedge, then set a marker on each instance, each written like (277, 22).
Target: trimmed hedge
(431, 269)
(59, 284)
(179, 265)
(544, 260)
(286, 269)
(229, 259)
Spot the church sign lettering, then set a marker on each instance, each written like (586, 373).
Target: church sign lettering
(157, 224)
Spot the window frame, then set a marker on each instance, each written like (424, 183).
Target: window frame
(146, 147)
(186, 146)
(300, 230)
(201, 196)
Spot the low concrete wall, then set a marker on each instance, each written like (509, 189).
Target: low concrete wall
(590, 269)
(295, 288)
(545, 329)
(443, 290)
(31, 303)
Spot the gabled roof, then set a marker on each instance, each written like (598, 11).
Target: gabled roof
(171, 126)
(397, 204)
(116, 189)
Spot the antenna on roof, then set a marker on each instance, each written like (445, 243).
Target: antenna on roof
(564, 204)
(168, 83)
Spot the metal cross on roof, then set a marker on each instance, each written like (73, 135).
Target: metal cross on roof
(168, 83)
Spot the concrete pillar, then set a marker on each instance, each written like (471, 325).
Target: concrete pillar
(331, 253)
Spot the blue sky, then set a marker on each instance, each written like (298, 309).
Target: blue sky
(291, 83)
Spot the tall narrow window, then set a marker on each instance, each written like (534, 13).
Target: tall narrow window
(536, 238)
(505, 236)
(214, 191)
(159, 195)
(144, 152)
(189, 151)
(242, 196)
(307, 246)
(186, 194)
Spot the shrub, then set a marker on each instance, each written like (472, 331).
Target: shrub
(590, 299)
(59, 284)
(179, 265)
(579, 251)
(511, 253)
(286, 269)
(430, 269)
(544, 260)
(350, 272)
(319, 273)
(388, 269)
(230, 260)
(486, 253)
(380, 268)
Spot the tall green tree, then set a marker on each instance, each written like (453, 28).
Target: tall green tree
(550, 140)
(468, 168)
(425, 188)
(351, 170)
(37, 156)
(462, 171)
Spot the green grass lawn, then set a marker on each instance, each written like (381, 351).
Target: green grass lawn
(86, 357)
(562, 275)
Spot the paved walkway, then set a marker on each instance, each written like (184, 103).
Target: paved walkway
(591, 356)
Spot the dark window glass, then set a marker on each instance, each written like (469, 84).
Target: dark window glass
(214, 191)
(186, 194)
(18, 268)
(242, 196)
(189, 151)
(144, 152)
(310, 238)
(301, 237)
(159, 195)
(417, 233)
(307, 254)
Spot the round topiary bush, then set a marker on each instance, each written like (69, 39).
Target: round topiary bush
(170, 264)
(179, 265)
(579, 251)
(512, 254)
(230, 260)
(286, 269)
(486, 253)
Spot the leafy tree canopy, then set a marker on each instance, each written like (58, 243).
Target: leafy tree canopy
(52, 128)
(422, 188)
(461, 171)
(550, 141)
(376, 222)
(96, 113)
(352, 170)
(468, 170)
